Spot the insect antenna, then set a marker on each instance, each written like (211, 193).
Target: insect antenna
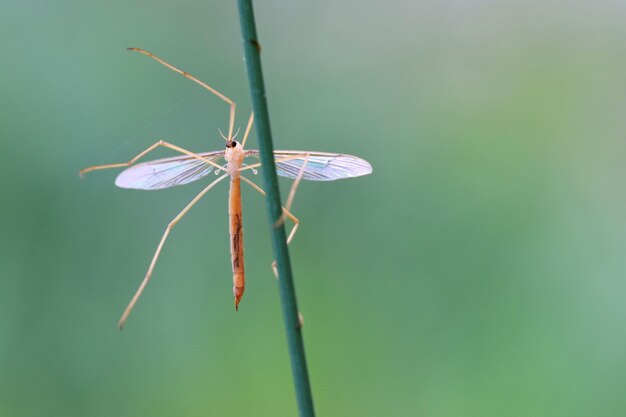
(225, 138)
(222, 135)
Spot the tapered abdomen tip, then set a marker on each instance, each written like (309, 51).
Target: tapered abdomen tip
(238, 292)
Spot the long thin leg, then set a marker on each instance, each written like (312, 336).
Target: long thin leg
(245, 135)
(292, 191)
(146, 151)
(286, 212)
(294, 219)
(197, 81)
(160, 246)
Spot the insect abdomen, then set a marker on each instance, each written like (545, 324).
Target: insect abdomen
(236, 239)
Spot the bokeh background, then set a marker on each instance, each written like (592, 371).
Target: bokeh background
(478, 272)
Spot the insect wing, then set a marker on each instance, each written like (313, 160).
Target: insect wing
(167, 172)
(320, 166)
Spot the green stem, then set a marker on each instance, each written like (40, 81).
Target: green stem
(287, 291)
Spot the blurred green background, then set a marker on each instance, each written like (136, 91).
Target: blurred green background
(478, 272)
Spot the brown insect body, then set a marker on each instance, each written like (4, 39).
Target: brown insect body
(236, 239)
(234, 156)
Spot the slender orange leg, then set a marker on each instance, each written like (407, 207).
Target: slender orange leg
(146, 151)
(197, 81)
(169, 227)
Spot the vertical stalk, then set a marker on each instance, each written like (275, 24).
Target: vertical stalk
(287, 292)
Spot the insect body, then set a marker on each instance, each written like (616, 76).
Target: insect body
(190, 166)
(234, 155)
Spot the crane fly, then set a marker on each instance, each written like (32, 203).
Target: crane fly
(229, 162)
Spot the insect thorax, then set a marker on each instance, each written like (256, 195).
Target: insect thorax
(234, 156)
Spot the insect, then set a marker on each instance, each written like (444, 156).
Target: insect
(190, 166)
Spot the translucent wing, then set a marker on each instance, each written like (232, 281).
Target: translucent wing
(320, 166)
(167, 172)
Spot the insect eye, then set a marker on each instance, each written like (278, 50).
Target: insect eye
(234, 143)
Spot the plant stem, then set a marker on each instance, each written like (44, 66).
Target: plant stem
(287, 291)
